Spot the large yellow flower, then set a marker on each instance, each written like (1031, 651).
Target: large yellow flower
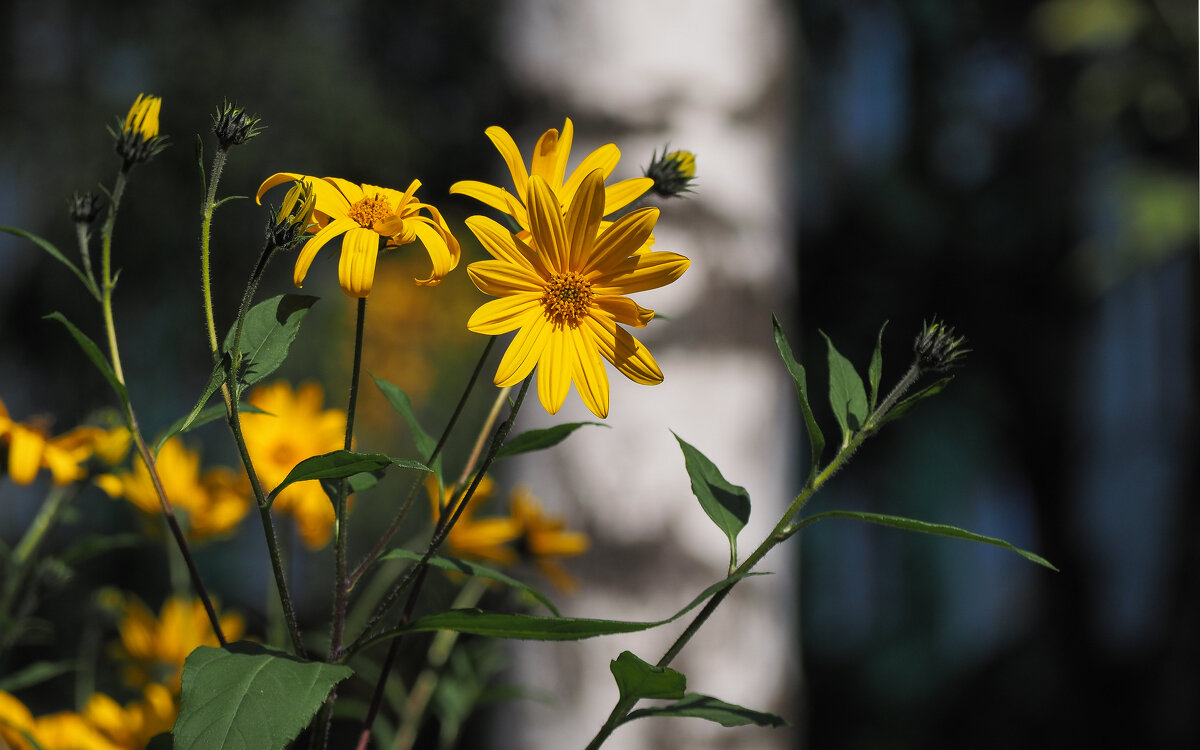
(294, 427)
(564, 295)
(366, 217)
(156, 647)
(549, 161)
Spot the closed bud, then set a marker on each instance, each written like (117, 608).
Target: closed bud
(937, 348)
(85, 207)
(138, 139)
(673, 174)
(294, 217)
(233, 126)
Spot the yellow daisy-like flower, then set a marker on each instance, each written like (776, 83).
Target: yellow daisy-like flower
(215, 502)
(158, 646)
(483, 539)
(543, 539)
(366, 217)
(294, 427)
(549, 161)
(131, 727)
(564, 295)
(31, 449)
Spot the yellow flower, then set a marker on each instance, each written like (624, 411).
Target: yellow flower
(60, 731)
(369, 217)
(31, 449)
(143, 117)
(543, 538)
(131, 727)
(485, 539)
(549, 161)
(214, 502)
(294, 428)
(564, 294)
(15, 720)
(157, 647)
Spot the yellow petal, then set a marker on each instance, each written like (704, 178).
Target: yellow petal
(490, 195)
(524, 351)
(546, 224)
(564, 152)
(499, 279)
(505, 314)
(25, 448)
(622, 239)
(640, 272)
(583, 218)
(604, 158)
(349, 191)
(554, 369)
(625, 352)
(501, 245)
(587, 371)
(356, 269)
(621, 194)
(436, 246)
(511, 155)
(309, 251)
(439, 223)
(545, 158)
(624, 310)
(278, 179)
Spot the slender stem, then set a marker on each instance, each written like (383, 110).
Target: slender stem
(107, 282)
(83, 236)
(210, 198)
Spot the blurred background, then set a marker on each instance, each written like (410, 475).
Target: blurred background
(1025, 170)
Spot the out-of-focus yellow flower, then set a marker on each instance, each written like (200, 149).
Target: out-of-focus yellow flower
(549, 161)
(143, 116)
(483, 539)
(294, 427)
(564, 293)
(214, 502)
(543, 539)
(59, 731)
(368, 217)
(15, 720)
(131, 727)
(31, 449)
(156, 647)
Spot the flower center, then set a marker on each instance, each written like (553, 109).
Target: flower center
(567, 297)
(370, 210)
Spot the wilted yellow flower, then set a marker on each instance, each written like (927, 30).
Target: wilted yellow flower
(549, 161)
(484, 539)
(143, 116)
(214, 502)
(31, 449)
(131, 727)
(543, 539)
(157, 646)
(295, 427)
(369, 217)
(564, 294)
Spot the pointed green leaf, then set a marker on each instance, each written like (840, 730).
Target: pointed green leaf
(637, 679)
(93, 353)
(706, 707)
(403, 406)
(875, 372)
(536, 440)
(924, 527)
(846, 393)
(189, 422)
(906, 405)
(339, 464)
(54, 253)
(248, 697)
(726, 504)
(270, 328)
(35, 673)
(816, 440)
(472, 569)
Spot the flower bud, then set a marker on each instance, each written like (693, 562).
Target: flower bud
(937, 348)
(138, 139)
(233, 126)
(673, 174)
(85, 207)
(294, 217)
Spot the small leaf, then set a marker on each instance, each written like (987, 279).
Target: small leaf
(875, 371)
(93, 353)
(54, 253)
(248, 697)
(726, 504)
(637, 679)
(35, 673)
(339, 464)
(267, 334)
(403, 406)
(536, 440)
(816, 440)
(906, 405)
(846, 393)
(472, 569)
(188, 422)
(924, 527)
(705, 707)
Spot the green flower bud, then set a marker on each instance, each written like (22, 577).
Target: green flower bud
(673, 174)
(233, 126)
(937, 348)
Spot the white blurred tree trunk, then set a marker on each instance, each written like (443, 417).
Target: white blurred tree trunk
(711, 77)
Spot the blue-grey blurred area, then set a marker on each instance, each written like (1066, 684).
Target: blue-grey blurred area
(1025, 170)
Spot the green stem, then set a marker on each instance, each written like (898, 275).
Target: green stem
(205, 231)
(83, 236)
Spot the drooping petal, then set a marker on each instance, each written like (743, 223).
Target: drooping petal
(438, 249)
(278, 178)
(583, 218)
(587, 372)
(621, 240)
(511, 155)
(25, 447)
(620, 194)
(440, 224)
(497, 278)
(604, 158)
(309, 251)
(356, 269)
(546, 225)
(625, 352)
(490, 195)
(624, 310)
(498, 316)
(525, 350)
(554, 369)
(641, 272)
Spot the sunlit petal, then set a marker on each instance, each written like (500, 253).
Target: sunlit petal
(490, 195)
(621, 194)
(604, 158)
(506, 314)
(622, 239)
(511, 155)
(587, 372)
(641, 272)
(524, 351)
(309, 251)
(625, 352)
(439, 252)
(356, 269)
(545, 158)
(625, 311)
(546, 224)
(583, 218)
(554, 369)
(497, 278)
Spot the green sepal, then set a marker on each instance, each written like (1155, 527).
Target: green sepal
(340, 464)
(249, 697)
(699, 706)
(816, 440)
(57, 255)
(637, 679)
(93, 353)
(267, 334)
(875, 371)
(846, 393)
(728, 505)
(472, 569)
(536, 440)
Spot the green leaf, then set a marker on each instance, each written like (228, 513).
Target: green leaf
(906, 405)
(637, 679)
(35, 673)
(403, 406)
(875, 372)
(816, 440)
(93, 353)
(846, 393)
(924, 527)
(472, 569)
(54, 253)
(339, 464)
(706, 707)
(189, 422)
(248, 697)
(91, 546)
(536, 440)
(726, 504)
(270, 328)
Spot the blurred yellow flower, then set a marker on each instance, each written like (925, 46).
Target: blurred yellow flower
(543, 539)
(369, 217)
(156, 647)
(131, 727)
(31, 449)
(484, 539)
(59, 731)
(549, 161)
(294, 427)
(15, 719)
(214, 502)
(143, 116)
(564, 293)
